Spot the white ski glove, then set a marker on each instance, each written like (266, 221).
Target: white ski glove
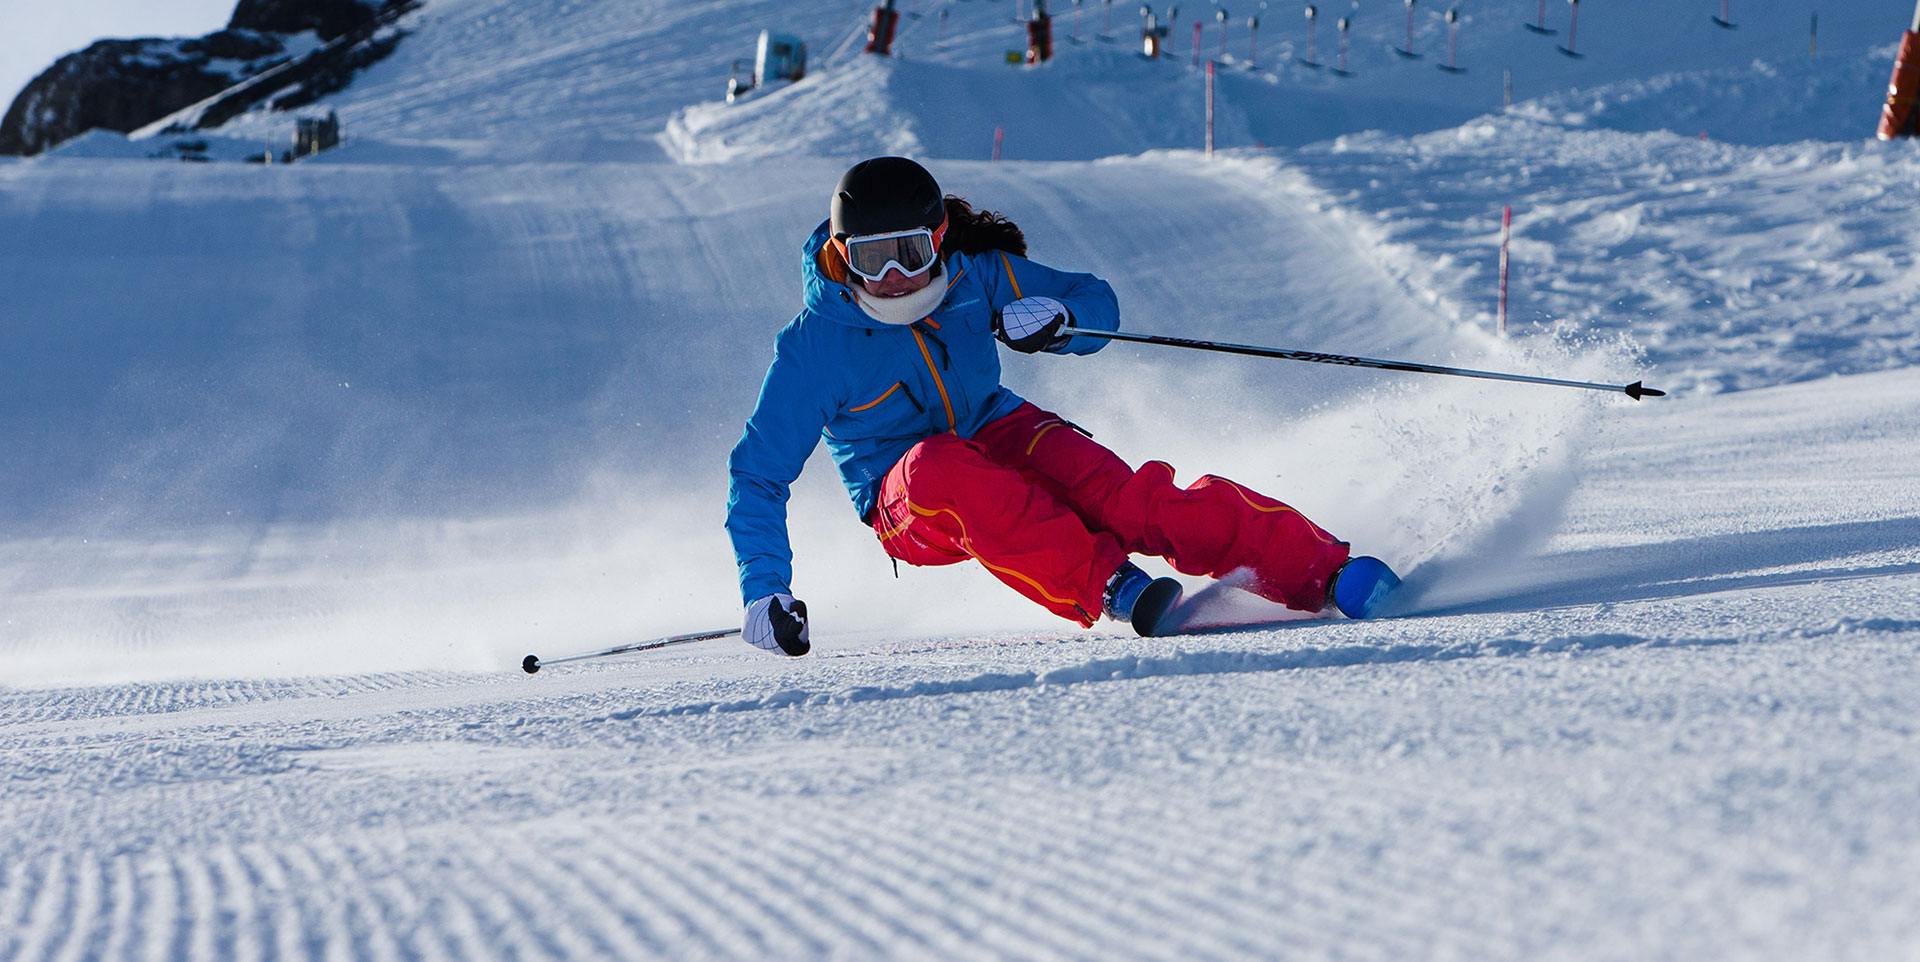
(1032, 324)
(778, 623)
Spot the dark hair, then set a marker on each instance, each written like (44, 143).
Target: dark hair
(972, 231)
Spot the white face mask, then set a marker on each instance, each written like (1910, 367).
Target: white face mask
(901, 310)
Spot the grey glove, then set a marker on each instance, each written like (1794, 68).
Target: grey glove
(1032, 324)
(778, 623)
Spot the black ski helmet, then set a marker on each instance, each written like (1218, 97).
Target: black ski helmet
(886, 194)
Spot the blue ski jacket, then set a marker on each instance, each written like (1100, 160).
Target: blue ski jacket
(873, 390)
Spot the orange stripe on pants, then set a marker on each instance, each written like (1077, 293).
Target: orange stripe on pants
(946, 502)
(1052, 513)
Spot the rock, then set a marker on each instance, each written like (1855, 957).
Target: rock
(122, 85)
(328, 18)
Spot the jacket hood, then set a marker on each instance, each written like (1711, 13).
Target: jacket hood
(833, 300)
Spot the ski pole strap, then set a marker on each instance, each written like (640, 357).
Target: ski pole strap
(1636, 390)
(533, 663)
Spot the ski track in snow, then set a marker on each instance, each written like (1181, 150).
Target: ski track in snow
(1355, 810)
(301, 461)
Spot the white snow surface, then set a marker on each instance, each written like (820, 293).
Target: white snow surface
(299, 461)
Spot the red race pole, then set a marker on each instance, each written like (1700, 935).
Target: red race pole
(1540, 26)
(1407, 51)
(1899, 118)
(1573, 27)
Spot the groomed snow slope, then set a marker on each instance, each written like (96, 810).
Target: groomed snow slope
(301, 460)
(1670, 734)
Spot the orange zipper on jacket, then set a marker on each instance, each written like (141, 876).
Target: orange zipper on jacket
(934, 369)
(953, 423)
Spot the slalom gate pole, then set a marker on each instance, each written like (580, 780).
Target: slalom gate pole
(1636, 390)
(533, 663)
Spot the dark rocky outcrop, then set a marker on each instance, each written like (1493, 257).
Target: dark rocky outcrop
(123, 85)
(328, 18)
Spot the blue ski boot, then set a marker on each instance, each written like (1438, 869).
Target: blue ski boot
(1140, 599)
(1361, 586)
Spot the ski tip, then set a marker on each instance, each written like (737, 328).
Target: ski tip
(530, 664)
(1636, 390)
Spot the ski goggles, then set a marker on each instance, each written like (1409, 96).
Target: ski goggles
(910, 252)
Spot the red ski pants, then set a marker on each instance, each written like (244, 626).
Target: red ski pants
(1053, 514)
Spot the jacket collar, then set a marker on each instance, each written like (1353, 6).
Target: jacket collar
(833, 300)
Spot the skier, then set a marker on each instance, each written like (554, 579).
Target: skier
(894, 361)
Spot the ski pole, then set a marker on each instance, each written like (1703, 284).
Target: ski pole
(1635, 390)
(532, 663)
